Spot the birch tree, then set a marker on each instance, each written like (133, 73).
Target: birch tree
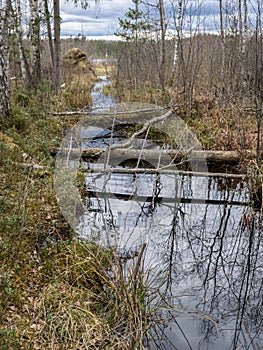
(57, 45)
(49, 31)
(223, 46)
(242, 17)
(163, 25)
(35, 41)
(24, 65)
(258, 80)
(5, 11)
(178, 22)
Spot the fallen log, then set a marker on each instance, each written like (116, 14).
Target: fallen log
(166, 200)
(216, 157)
(169, 171)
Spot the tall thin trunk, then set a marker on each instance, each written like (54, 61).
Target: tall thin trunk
(19, 31)
(242, 15)
(57, 45)
(35, 41)
(49, 32)
(137, 70)
(5, 13)
(178, 30)
(178, 38)
(223, 45)
(163, 45)
(259, 82)
(24, 66)
(240, 20)
(245, 29)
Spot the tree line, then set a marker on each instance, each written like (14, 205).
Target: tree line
(166, 46)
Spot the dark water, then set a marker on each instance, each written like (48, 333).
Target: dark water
(204, 251)
(204, 246)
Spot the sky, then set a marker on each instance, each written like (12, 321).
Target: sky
(99, 20)
(102, 21)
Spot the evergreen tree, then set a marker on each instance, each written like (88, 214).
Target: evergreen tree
(134, 26)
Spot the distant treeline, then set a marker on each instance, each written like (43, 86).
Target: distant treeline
(93, 48)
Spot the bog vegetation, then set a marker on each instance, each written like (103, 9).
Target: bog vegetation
(56, 293)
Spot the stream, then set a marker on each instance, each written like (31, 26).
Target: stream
(203, 240)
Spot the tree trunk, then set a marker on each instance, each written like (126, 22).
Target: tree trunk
(258, 87)
(242, 15)
(168, 157)
(223, 45)
(178, 38)
(163, 45)
(57, 45)
(5, 13)
(49, 32)
(24, 66)
(19, 32)
(35, 41)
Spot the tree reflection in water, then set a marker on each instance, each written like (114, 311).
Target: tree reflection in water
(204, 251)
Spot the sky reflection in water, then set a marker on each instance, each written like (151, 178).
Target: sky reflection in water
(207, 258)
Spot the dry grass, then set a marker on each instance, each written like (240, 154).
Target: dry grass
(76, 298)
(55, 292)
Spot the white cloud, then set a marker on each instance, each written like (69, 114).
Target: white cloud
(103, 19)
(95, 20)
(88, 27)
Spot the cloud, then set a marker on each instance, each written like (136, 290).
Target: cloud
(95, 20)
(87, 27)
(103, 18)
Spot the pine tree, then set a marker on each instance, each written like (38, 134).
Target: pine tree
(134, 26)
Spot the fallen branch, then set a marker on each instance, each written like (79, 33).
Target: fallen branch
(217, 157)
(142, 130)
(70, 113)
(33, 166)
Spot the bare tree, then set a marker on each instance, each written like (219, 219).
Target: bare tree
(24, 65)
(57, 45)
(5, 11)
(163, 25)
(49, 31)
(35, 41)
(242, 16)
(223, 46)
(258, 86)
(178, 38)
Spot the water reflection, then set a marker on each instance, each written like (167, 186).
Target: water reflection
(99, 98)
(204, 243)
(206, 255)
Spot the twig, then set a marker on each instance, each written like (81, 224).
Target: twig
(142, 130)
